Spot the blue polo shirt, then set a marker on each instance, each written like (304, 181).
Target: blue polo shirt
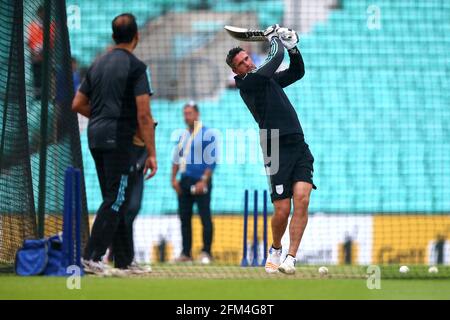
(195, 152)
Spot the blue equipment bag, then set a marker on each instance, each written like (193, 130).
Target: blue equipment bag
(32, 258)
(41, 257)
(56, 265)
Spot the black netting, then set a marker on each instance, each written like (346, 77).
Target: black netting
(17, 213)
(40, 136)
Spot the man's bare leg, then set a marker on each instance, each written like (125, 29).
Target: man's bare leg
(299, 220)
(282, 209)
(279, 223)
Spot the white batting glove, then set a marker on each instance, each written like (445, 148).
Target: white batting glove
(271, 32)
(288, 37)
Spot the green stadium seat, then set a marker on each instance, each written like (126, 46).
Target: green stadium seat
(373, 105)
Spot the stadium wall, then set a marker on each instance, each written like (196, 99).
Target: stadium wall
(373, 239)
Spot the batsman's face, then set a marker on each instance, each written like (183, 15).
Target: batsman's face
(243, 63)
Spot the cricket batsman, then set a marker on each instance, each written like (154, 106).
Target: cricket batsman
(261, 88)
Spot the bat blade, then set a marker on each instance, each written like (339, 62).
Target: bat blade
(244, 34)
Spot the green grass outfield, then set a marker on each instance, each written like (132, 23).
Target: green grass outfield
(219, 283)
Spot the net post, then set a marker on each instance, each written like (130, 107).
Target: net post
(263, 262)
(67, 221)
(77, 174)
(244, 261)
(255, 229)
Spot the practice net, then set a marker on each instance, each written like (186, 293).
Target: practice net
(39, 138)
(373, 105)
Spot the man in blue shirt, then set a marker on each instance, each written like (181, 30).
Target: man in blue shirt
(195, 158)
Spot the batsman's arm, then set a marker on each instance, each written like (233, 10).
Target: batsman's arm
(273, 60)
(295, 72)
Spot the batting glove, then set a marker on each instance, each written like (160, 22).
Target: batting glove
(288, 37)
(271, 32)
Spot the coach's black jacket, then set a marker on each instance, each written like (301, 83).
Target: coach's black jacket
(262, 91)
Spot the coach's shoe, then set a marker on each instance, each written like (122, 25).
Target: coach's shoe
(135, 268)
(273, 260)
(288, 265)
(184, 259)
(96, 267)
(118, 272)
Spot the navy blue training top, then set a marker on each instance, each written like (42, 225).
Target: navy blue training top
(112, 84)
(262, 91)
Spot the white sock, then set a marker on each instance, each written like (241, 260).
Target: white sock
(279, 249)
(290, 258)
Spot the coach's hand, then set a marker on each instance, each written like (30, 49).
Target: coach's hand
(200, 187)
(271, 32)
(151, 164)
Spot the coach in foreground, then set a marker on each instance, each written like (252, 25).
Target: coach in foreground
(115, 96)
(291, 179)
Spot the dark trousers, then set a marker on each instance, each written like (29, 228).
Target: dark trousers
(113, 225)
(185, 209)
(123, 241)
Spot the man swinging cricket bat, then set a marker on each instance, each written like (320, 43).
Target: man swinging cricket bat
(261, 88)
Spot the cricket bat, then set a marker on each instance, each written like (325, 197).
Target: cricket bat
(244, 34)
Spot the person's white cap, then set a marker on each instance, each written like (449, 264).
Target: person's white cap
(191, 103)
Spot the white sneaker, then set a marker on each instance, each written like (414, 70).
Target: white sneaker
(135, 268)
(288, 265)
(273, 260)
(117, 272)
(96, 267)
(205, 258)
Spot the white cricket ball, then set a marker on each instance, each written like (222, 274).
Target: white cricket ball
(433, 269)
(323, 271)
(404, 269)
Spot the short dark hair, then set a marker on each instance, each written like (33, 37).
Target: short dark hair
(124, 28)
(193, 105)
(231, 54)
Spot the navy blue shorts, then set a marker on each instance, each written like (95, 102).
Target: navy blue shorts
(296, 163)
